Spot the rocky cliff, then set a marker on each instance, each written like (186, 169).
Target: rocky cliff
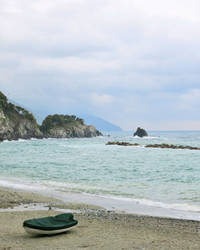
(66, 126)
(16, 122)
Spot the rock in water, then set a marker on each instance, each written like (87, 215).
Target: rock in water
(140, 132)
(122, 143)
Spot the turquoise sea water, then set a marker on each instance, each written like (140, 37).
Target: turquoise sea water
(168, 178)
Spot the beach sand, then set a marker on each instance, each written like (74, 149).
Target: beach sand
(96, 229)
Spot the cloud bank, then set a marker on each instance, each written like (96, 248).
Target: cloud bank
(130, 62)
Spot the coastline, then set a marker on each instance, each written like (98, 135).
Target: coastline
(112, 203)
(97, 228)
(127, 183)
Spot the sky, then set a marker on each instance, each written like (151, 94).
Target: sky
(133, 63)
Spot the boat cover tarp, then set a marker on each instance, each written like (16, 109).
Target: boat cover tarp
(57, 222)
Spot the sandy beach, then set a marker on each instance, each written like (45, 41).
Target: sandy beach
(96, 229)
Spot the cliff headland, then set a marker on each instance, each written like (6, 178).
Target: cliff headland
(18, 123)
(66, 126)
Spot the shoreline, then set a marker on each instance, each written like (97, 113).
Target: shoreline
(160, 199)
(97, 228)
(116, 204)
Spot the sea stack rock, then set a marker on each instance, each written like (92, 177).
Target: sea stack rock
(140, 132)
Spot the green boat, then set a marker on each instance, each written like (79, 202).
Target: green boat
(50, 225)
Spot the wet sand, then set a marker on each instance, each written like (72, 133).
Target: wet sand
(96, 229)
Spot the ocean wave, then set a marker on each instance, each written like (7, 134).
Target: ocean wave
(25, 186)
(51, 187)
(21, 140)
(176, 206)
(146, 202)
(13, 141)
(147, 137)
(104, 193)
(5, 141)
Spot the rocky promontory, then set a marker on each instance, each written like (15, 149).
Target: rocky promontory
(16, 122)
(67, 126)
(140, 132)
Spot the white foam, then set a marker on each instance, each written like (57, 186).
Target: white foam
(147, 137)
(146, 202)
(61, 190)
(25, 186)
(143, 202)
(183, 206)
(11, 141)
(21, 140)
(5, 141)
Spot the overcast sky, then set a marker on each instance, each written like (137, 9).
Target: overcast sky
(133, 63)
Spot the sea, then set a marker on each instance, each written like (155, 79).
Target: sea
(127, 179)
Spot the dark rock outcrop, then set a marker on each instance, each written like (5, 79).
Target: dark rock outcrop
(140, 132)
(122, 143)
(67, 126)
(171, 146)
(16, 122)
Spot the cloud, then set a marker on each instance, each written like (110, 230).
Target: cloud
(126, 61)
(72, 65)
(190, 100)
(101, 99)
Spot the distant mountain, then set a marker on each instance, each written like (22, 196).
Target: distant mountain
(99, 123)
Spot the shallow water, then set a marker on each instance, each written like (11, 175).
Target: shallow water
(152, 177)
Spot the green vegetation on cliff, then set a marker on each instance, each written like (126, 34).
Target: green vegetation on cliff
(10, 109)
(66, 126)
(16, 122)
(3, 100)
(65, 121)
